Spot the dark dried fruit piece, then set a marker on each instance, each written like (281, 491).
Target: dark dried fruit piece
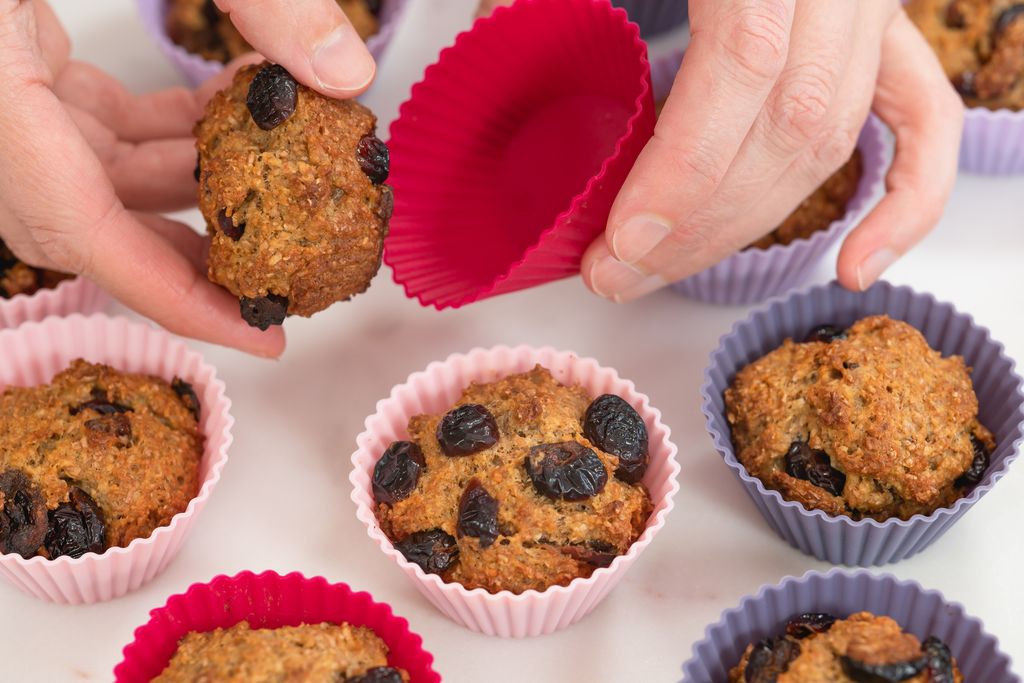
(615, 427)
(397, 472)
(955, 17)
(378, 674)
(374, 158)
(101, 429)
(387, 204)
(940, 661)
(976, 472)
(964, 82)
(76, 527)
(433, 550)
(566, 471)
(373, 6)
(187, 395)
(826, 334)
(808, 624)
(595, 553)
(23, 515)
(466, 430)
(862, 672)
(198, 172)
(263, 311)
(99, 403)
(478, 514)
(1008, 16)
(228, 227)
(273, 94)
(804, 462)
(769, 658)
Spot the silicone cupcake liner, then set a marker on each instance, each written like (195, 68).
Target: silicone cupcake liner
(840, 539)
(841, 593)
(508, 159)
(77, 295)
(196, 69)
(268, 600)
(434, 390)
(754, 275)
(33, 354)
(993, 142)
(655, 18)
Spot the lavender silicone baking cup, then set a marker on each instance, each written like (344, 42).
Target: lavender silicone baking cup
(754, 275)
(840, 539)
(655, 18)
(196, 69)
(993, 142)
(841, 593)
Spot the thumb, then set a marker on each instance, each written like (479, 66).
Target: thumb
(313, 39)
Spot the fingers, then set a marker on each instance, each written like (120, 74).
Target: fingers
(54, 43)
(311, 38)
(185, 240)
(916, 100)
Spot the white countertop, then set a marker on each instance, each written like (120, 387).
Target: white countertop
(284, 502)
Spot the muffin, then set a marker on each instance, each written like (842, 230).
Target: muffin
(313, 653)
(981, 46)
(94, 459)
(524, 484)
(291, 187)
(864, 422)
(863, 647)
(17, 277)
(202, 29)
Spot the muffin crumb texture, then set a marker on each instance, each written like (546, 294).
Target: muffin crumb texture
(17, 277)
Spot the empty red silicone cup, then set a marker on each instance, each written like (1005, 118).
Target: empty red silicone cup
(510, 151)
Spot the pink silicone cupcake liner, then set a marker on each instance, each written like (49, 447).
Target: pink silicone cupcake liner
(508, 159)
(655, 18)
(32, 354)
(196, 69)
(754, 275)
(993, 142)
(434, 390)
(78, 295)
(841, 593)
(840, 539)
(268, 600)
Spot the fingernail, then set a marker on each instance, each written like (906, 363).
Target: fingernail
(638, 236)
(618, 281)
(871, 268)
(342, 61)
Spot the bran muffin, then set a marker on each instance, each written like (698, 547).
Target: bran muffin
(864, 422)
(524, 484)
(818, 648)
(202, 29)
(94, 459)
(17, 277)
(291, 187)
(981, 46)
(312, 653)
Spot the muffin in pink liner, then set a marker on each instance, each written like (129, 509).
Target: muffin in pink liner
(993, 142)
(77, 295)
(32, 354)
(754, 275)
(268, 600)
(841, 539)
(197, 69)
(507, 160)
(841, 593)
(435, 390)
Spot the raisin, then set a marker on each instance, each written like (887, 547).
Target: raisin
(76, 527)
(955, 15)
(863, 672)
(273, 94)
(373, 6)
(466, 430)
(397, 472)
(187, 395)
(964, 84)
(478, 514)
(595, 553)
(940, 661)
(101, 429)
(804, 462)
(228, 227)
(211, 13)
(615, 427)
(566, 471)
(264, 311)
(198, 172)
(23, 516)
(769, 658)
(378, 674)
(1009, 15)
(433, 550)
(808, 624)
(976, 472)
(99, 403)
(374, 158)
(826, 334)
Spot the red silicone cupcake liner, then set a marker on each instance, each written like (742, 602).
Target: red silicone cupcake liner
(510, 151)
(268, 600)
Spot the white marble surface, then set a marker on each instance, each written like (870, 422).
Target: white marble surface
(284, 501)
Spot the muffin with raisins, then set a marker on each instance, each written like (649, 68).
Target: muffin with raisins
(17, 277)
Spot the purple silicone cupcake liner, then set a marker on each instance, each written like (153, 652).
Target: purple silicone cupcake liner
(841, 593)
(993, 142)
(196, 69)
(840, 539)
(657, 17)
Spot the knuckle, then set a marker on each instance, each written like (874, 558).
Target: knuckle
(836, 146)
(756, 42)
(800, 110)
(694, 162)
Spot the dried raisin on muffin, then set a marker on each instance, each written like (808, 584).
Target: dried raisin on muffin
(17, 277)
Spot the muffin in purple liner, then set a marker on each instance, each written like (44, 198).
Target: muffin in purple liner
(993, 142)
(840, 539)
(841, 593)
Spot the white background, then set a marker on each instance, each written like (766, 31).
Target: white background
(284, 502)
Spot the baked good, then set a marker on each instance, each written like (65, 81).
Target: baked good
(864, 422)
(819, 648)
(981, 46)
(202, 29)
(291, 186)
(17, 277)
(94, 459)
(312, 653)
(523, 484)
